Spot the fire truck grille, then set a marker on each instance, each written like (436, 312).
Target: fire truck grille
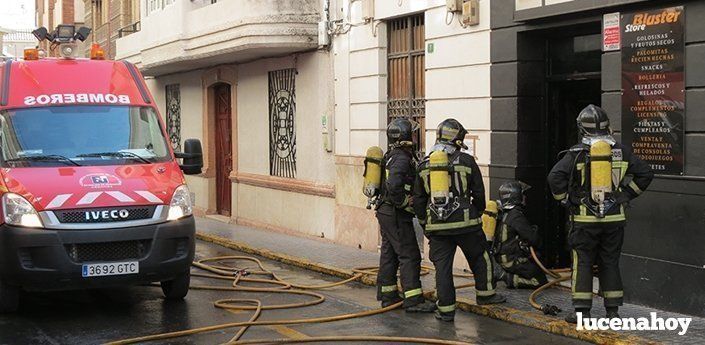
(108, 251)
(97, 215)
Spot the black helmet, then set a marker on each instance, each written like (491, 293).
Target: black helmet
(450, 131)
(399, 132)
(593, 121)
(511, 194)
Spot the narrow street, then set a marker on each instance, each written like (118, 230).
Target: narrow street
(99, 316)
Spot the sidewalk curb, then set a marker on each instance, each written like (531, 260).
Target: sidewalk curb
(499, 312)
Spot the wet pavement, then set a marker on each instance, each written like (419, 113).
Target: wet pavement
(98, 316)
(344, 257)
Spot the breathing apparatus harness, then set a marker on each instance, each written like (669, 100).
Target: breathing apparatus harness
(443, 203)
(596, 194)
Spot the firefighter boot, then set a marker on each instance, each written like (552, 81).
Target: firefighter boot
(612, 313)
(573, 317)
(494, 299)
(423, 307)
(391, 299)
(445, 317)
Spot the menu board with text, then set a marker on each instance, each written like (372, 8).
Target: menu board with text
(653, 84)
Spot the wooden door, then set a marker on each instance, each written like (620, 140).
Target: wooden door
(223, 148)
(406, 92)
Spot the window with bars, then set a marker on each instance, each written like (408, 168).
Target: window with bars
(173, 115)
(282, 129)
(406, 73)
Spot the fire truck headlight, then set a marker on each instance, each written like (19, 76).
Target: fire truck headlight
(18, 211)
(180, 205)
(65, 32)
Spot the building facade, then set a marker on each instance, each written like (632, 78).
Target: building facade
(547, 62)
(110, 20)
(286, 109)
(51, 13)
(16, 41)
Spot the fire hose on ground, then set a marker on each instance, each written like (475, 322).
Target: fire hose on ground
(219, 271)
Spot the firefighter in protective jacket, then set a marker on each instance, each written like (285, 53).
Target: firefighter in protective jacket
(595, 180)
(514, 236)
(449, 197)
(400, 249)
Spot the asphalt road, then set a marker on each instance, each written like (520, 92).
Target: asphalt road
(98, 316)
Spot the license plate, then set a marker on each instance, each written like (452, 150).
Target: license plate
(110, 269)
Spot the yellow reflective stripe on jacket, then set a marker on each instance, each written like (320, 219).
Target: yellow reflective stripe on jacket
(612, 294)
(635, 188)
(424, 176)
(446, 308)
(412, 293)
(583, 217)
(464, 182)
(454, 225)
(560, 197)
(388, 288)
(462, 169)
(405, 203)
(519, 280)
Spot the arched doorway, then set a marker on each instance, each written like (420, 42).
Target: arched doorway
(223, 147)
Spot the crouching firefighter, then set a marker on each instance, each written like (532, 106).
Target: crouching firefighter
(512, 241)
(400, 249)
(449, 197)
(595, 180)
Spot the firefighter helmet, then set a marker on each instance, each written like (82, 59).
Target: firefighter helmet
(593, 121)
(451, 132)
(511, 194)
(400, 132)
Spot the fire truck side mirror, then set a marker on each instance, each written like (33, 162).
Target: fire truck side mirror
(192, 156)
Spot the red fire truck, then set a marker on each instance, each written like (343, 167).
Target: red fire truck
(92, 193)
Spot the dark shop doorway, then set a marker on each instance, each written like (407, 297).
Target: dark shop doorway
(573, 72)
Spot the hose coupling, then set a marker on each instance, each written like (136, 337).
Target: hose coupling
(548, 309)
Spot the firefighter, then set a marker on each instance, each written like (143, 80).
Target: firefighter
(596, 179)
(449, 197)
(400, 249)
(511, 243)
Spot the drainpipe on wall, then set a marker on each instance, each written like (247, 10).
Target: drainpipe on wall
(323, 35)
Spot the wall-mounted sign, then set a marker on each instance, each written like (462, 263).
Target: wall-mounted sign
(471, 142)
(653, 84)
(611, 32)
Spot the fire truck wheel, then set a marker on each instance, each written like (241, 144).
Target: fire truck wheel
(177, 288)
(9, 298)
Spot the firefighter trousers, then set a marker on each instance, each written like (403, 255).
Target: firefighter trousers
(442, 252)
(599, 244)
(525, 275)
(400, 250)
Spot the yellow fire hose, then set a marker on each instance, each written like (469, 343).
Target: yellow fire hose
(548, 309)
(220, 271)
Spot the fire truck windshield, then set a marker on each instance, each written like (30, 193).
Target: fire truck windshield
(81, 135)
